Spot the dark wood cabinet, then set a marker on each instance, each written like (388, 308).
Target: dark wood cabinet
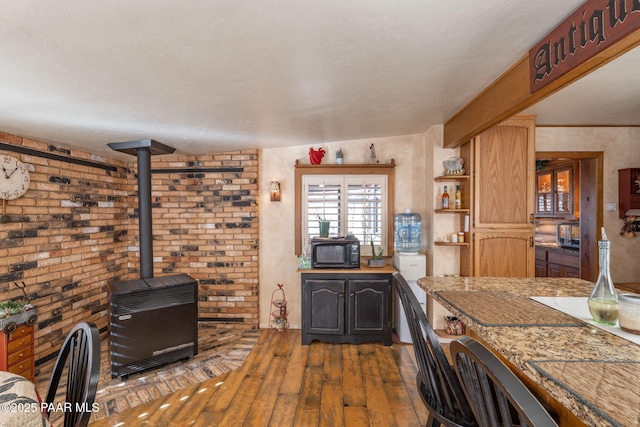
(323, 306)
(628, 190)
(541, 262)
(346, 307)
(557, 263)
(556, 191)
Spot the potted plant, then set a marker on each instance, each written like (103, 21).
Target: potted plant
(376, 257)
(339, 156)
(323, 225)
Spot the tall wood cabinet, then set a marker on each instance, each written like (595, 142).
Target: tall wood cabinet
(502, 181)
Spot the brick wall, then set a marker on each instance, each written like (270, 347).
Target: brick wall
(75, 231)
(205, 222)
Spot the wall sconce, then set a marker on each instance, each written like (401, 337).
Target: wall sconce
(274, 191)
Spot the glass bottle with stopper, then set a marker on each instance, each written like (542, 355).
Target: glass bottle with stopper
(603, 302)
(445, 198)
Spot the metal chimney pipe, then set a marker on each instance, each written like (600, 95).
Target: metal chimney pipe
(144, 213)
(143, 149)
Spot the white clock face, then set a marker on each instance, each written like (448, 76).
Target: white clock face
(14, 178)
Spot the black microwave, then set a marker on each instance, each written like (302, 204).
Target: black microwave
(335, 252)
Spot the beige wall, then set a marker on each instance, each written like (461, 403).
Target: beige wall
(419, 159)
(278, 263)
(620, 147)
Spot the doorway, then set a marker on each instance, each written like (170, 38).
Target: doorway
(591, 204)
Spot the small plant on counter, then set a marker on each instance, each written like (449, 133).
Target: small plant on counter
(376, 257)
(323, 225)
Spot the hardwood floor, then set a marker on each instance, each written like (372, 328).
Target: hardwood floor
(283, 383)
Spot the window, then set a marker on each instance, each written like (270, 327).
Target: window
(353, 205)
(356, 199)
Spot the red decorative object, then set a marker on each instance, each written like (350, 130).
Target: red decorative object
(315, 156)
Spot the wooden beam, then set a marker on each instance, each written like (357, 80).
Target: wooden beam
(510, 94)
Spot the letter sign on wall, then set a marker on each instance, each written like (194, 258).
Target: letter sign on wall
(591, 28)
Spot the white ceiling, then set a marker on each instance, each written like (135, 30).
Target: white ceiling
(208, 76)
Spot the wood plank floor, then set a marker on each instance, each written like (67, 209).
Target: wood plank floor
(283, 383)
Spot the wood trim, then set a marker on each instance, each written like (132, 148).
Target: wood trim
(344, 169)
(510, 94)
(468, 199)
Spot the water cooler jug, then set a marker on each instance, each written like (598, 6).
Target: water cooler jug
(408, 237)
(412, 267)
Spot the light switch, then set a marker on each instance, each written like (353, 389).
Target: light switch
(612, 207)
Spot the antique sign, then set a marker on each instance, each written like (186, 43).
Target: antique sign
(593, 27)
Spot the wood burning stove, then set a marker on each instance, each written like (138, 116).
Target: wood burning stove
(153, 320)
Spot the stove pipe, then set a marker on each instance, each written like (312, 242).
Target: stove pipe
(143, 149)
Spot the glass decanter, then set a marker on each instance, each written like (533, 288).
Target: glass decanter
(603, 302)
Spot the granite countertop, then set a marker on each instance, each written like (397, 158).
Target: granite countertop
(557, 248)
(591, 372)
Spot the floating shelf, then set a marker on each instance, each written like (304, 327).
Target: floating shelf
(444, 211)
(451, 244)
(452, 178)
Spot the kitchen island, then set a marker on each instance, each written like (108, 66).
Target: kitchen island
(587, 375)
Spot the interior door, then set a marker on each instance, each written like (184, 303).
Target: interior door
(504, 201)
(504, 177)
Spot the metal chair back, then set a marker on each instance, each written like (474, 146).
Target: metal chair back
(80, 359)
(496, 395)
(438, 385)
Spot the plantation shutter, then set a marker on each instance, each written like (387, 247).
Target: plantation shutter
(354, 205)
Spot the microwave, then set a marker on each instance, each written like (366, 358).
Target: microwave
(335, 252)
(568, 234)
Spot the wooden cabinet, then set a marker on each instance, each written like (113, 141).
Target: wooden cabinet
(16, 352)
(628, 189)
(502, 254)
(557, 262)
(555, 191)
(628, 287)
(346, 307)
(541, 262)
(502, 161)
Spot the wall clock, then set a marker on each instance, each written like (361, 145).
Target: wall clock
(14, 178)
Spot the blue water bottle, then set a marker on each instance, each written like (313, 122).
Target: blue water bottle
(408, 233)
